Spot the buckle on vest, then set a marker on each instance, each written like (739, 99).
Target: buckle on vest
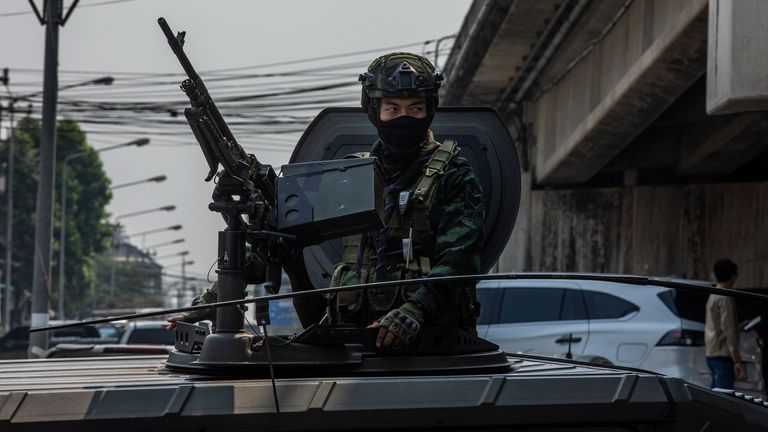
(402, 202)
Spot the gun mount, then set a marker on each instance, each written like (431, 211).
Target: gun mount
(246, 195)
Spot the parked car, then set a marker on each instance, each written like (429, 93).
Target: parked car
(647, 327)
(147, 332)
(14, 344)
(111, 330)
(91, 350)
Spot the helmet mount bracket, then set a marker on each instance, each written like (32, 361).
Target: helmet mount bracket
(405, 77)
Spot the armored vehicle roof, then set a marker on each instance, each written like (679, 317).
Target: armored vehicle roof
(128, 393)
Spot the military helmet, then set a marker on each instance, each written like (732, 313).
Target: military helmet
(400, 74)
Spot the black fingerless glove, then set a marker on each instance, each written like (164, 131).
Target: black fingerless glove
(404, 322)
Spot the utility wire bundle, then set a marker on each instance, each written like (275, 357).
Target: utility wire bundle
(268, 106)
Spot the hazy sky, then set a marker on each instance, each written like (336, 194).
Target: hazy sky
(122, 38)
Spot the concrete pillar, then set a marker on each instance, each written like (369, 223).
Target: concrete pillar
(514, 257)
(650, 230)
(737, 64)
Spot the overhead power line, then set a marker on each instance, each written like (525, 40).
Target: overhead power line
(241, 68)
(267, 109)
(30, 12)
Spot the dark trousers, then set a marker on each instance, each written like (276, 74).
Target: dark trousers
(722, 372)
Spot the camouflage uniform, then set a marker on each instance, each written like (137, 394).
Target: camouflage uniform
(447, 239)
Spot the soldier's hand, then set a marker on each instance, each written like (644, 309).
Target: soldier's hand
(399, 325)
(173, 320)
(384, 338)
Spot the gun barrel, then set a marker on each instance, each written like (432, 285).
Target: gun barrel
(216, 140)
(178, 49)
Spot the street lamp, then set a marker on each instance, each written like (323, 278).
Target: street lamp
(141, 212)
(182, 253)
(63, 231)
(152, 231)
(172, 242)
(143, 234)
(156, 179)
(137, 213)
(190, 262)
(105, 80)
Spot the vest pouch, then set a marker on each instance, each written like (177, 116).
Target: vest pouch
(347, 303)
(383, 300)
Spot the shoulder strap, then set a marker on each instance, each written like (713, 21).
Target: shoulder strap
(435, 168)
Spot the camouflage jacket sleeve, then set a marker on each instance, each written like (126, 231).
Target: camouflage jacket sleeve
(209, 296)
(458, 215)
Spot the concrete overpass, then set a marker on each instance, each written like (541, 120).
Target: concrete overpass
(641, 125)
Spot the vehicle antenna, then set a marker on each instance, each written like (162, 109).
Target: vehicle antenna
(271, 372)
(262, 319)
(686, 285)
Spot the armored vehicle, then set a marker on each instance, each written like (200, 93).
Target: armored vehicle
(333, 377)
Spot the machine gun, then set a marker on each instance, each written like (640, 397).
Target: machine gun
(310, 209)
(245, 186)
(216, 140)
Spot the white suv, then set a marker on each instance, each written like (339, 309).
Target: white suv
(647, 327)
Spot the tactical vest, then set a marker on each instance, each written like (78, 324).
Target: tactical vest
(408, 252)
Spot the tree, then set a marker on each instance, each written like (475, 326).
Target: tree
(87, 232)
(88, 194)
(26, 134)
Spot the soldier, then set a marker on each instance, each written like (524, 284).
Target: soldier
(433, 223)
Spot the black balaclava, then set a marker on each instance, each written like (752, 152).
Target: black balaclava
(402, 138)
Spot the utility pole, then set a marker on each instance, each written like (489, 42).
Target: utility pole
(9, 224)
(5, 318)
(41, 273)
(9, 299)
